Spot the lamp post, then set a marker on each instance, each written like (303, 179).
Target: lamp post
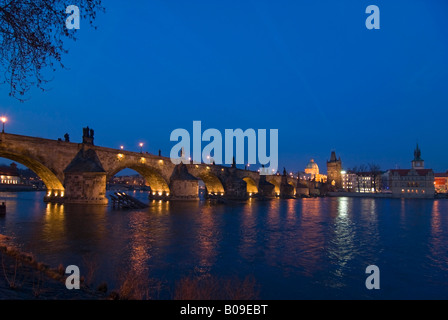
(141, 147)
(121, 147)
(3, 119)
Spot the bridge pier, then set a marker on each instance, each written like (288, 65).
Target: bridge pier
(183, 186)
(55, 196)
(265, 188)
(286, 190)
(235, 187)
(85, 188)
(85, 179)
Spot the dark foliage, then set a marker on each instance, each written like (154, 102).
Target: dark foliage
(32, 35)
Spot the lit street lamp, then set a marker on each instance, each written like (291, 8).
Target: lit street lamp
(3, 119)
(121, 147)
(141, 147)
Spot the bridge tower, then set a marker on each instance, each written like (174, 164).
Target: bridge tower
(334, 168)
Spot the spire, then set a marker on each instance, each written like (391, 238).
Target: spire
(333, 156)
(418, 162)
(417, 154)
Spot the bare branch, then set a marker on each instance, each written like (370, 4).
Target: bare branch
(32, 36)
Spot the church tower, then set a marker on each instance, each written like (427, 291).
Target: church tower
(334, 168)
(418, 162)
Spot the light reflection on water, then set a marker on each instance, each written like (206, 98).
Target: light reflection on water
(295, 249)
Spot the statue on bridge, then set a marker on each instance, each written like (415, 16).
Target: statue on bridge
(87, 135)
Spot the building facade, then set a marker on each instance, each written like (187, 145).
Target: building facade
(312, 173)
(362, 182)
(441, 182)
(9, 174)
(416, 182)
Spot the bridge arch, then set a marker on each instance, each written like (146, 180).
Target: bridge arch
(151, 175)
(251, 185)
(276, 185)
(212, 183)
(50, 179)
(293, 185)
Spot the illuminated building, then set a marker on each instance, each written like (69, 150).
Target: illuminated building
(349, 180)
(312, 173)
(416, 182)
(441, 182)
(9, 175)
(363, 182)
(334, 171)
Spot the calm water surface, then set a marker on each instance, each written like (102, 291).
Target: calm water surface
(295, 249)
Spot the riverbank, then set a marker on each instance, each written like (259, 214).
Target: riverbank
(24, 278)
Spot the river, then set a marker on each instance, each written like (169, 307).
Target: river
(293, 249)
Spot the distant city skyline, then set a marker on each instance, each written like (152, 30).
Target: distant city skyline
(311, 70)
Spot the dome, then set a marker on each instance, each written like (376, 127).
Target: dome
(312, 165)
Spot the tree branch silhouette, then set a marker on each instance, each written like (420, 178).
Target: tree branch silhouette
(32, 36)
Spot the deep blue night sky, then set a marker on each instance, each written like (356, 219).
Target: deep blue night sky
(308, 68)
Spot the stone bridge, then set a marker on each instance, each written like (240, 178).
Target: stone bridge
(78, 172)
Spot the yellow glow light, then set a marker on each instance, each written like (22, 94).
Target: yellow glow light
(3, 119)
